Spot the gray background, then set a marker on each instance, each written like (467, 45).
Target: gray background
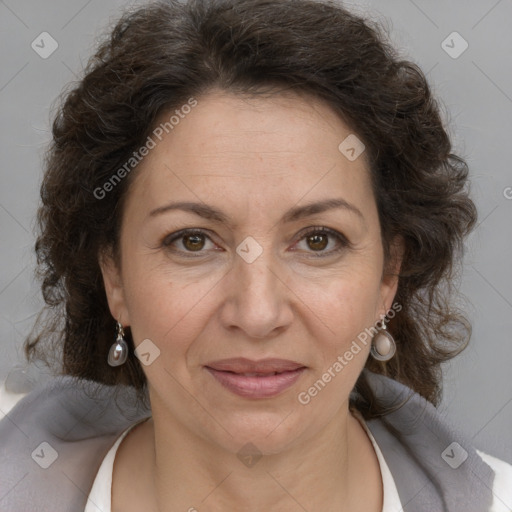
(475, 87)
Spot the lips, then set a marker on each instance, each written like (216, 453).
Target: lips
(255, 379)
(245, 366)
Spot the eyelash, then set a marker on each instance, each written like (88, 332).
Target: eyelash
(342, 241)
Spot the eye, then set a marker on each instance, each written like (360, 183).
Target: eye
(191, 241)
(318, 239)
(195, 240)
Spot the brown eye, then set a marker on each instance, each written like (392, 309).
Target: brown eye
(193, 242)
(187, 241)
(317, 242)
(317, 239)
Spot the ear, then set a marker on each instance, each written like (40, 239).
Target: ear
(114, 290)
(389, 282)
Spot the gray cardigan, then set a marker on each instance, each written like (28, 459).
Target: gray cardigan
(53, 442)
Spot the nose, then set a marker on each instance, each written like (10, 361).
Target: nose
(257, 300)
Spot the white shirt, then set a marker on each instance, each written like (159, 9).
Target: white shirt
(99, 499)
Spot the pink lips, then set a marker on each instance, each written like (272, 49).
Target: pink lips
(256, 379)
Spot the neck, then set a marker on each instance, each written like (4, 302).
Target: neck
(336, 469)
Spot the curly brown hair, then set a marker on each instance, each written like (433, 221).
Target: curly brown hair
(159, 56)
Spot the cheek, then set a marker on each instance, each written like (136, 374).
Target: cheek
(166, 307)
(346, 300)
(348, 307)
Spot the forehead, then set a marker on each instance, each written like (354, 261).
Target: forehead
(280, 125)
(263, 152)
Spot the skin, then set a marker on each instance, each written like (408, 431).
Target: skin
(252, 158)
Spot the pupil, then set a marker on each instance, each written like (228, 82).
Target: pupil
(197, 242)
(318, 239)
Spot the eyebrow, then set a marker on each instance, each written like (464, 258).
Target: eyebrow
(293, 214)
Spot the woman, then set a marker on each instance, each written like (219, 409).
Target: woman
(249, 217)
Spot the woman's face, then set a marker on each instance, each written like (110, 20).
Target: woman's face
(251, 281)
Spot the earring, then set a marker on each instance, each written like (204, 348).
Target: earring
(119, 350)
(383, 345)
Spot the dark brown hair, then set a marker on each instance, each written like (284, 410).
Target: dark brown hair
(156, 59)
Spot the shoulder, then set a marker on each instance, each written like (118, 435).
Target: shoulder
(61, 427)
(8, 399)
(68, 409)
(427, 451)
(502, 485)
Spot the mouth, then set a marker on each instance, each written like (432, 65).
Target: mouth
(241, 365)
(256, 379)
